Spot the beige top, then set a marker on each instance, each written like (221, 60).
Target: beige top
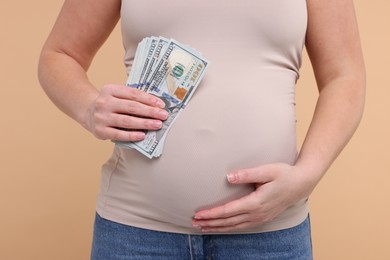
(242, 115)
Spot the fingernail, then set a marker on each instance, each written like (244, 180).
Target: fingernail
(160, 103)
(232, 177)
(163, 113)
(157, 124)
(140, 136)
(196, 225)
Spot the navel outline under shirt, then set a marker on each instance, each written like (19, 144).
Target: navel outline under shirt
(241, 116)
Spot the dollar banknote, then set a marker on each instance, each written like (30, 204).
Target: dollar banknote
(171, 71)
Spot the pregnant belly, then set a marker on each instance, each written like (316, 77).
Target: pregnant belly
(191, 173)
(169, 194)
(209, 139)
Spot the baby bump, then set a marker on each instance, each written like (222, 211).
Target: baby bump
(171, 192)
(244, 129)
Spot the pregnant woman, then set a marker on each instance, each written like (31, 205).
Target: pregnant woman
(231, 183)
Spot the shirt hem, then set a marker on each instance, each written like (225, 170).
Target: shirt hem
(275, 225)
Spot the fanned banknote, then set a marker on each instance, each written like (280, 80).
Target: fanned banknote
(171, 71)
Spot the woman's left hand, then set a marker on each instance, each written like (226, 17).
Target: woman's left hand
(278, 186)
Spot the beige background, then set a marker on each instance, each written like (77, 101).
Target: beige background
(49, 170)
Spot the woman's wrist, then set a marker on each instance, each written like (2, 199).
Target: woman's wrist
(84, 115)
(309, 175)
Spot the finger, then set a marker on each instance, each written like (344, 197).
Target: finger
(233, 208)
(136, 95)
(231, 221)
(133, 122)
(261, 174)
(119, 135)
(224, 229)
(130, 107)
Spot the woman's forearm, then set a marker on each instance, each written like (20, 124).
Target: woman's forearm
(66, 83)
(338, 112)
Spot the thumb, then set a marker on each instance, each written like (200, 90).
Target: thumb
(261, 174)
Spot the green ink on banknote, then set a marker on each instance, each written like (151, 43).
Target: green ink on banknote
(178, 70)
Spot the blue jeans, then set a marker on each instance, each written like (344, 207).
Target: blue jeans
(113, 241)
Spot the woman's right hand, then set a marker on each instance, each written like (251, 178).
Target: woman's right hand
(121, 113)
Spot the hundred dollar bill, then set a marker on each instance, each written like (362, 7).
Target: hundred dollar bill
(152, 145)
(173, 76)
(137, 60)
(153, 58)
(147, 56)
